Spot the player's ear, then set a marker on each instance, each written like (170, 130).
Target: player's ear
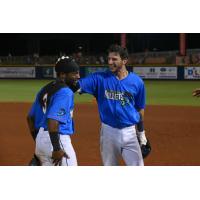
(125, 61)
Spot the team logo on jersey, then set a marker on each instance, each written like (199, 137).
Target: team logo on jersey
(123, 97)
(61, 112)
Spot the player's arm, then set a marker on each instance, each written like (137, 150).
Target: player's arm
(88, 84)
(32, 130)
(140, 105)
(61, 102)
(31, 119)
(58, 153)
(140, 128)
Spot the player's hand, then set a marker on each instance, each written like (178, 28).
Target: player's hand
(142, 138)
(196, 93)
(57, 156)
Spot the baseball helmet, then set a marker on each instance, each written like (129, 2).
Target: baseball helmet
(66, 64)
(146, 149)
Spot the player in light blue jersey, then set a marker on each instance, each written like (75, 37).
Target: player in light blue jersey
(121, 102)
(50, 119)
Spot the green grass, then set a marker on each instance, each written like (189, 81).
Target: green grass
(26, 90)
(171, 92)
(158, 92)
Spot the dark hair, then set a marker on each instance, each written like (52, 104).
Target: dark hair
(123, 52)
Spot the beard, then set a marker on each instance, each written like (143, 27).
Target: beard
(73, 85)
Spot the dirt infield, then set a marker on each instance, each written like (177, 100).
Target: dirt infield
(173, 132)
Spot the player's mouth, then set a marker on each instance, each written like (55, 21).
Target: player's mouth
(112, 67)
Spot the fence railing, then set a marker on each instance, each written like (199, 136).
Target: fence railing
(153, 57)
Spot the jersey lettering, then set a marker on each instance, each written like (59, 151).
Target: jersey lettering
(123, 97)
(44, 103)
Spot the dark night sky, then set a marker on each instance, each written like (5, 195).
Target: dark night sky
(22, 44)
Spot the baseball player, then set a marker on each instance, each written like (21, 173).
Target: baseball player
(121, 101)
(196, 92)
(50, 119)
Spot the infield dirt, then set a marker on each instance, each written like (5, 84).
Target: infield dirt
(173, 132)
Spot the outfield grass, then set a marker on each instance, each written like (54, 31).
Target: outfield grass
(158, 92)
(172, 92)
(26, 90)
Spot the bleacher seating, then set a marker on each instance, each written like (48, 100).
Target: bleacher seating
(154, 57)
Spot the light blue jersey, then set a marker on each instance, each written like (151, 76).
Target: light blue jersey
(59, 106)
(118, 100)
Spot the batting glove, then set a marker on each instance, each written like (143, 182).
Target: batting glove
(142, 138)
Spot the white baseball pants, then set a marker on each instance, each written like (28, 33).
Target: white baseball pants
(116, 143)
(43, 149)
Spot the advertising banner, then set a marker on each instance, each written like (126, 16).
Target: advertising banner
(89, 70)
(48, 72)
(192, 72)
(17, 72)
(156, 72)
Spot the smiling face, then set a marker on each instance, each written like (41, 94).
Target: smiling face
(115, 62)
(70, 78)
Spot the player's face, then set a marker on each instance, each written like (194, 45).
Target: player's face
(72, 78)
(115, 62)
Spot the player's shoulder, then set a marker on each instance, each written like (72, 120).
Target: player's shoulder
(65, 91)
(103, 74)
(135, 77)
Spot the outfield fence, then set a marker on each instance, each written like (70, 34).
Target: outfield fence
(152, 72)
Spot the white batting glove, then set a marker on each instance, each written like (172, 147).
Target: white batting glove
(142, 138)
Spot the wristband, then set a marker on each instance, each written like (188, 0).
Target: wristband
(140, 125)
(142, 138)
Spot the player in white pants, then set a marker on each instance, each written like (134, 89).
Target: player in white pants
(115, 143)
(121, 101)
(52, 115)
(44, 148)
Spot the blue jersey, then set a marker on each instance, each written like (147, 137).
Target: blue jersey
(118, 100)
(58, 107)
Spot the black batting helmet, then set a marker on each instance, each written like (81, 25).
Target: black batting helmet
(66, 64)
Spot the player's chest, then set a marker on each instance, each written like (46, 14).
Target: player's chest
(118, 90)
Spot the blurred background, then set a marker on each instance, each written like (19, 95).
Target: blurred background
(90, 48)
(153, 56)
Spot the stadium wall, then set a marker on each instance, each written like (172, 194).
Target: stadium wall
(152, 72)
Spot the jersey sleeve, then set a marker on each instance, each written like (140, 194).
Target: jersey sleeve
(140, 99)
(60, 107)
(88, 84)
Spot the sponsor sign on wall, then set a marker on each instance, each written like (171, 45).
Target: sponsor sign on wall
(156, 72)
(17, 72)
(89, 70)
(48, 72)
(192, 72)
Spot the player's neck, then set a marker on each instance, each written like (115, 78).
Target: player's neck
(122, 73)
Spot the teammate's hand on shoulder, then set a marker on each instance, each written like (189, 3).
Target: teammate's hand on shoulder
(142, 138)
(58, 155)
